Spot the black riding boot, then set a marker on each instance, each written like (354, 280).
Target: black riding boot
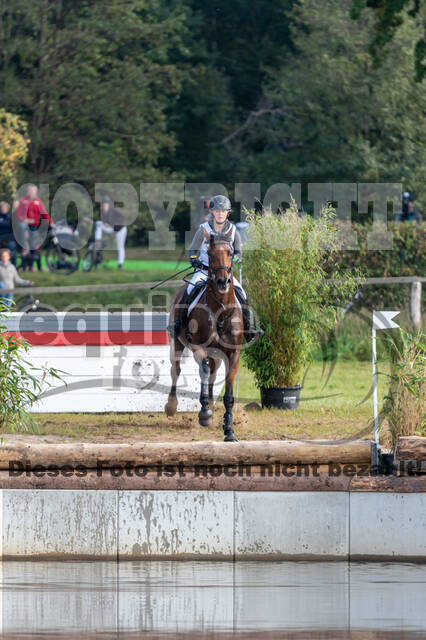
(175, 328)
(251, 332)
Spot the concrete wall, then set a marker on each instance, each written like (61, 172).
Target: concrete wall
(212, 524)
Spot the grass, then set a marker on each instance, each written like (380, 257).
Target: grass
(342, 408)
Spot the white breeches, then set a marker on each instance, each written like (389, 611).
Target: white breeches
(120, 237)
(203, 275)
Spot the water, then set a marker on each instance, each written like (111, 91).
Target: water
(209, 600)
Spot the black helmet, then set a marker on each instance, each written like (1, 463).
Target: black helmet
(220, 202)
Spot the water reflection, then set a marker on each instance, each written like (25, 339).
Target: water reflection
(209, 600)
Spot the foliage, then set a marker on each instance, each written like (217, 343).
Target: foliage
(329, 115)
(19, 387)
(13, 149)
(406, 258)
(93, 80)
(390, 16)
(283, 267)
(404, 406)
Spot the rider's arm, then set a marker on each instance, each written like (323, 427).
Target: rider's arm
(196, 243)
(237, 245)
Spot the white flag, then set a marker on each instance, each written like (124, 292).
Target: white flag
(383, 319)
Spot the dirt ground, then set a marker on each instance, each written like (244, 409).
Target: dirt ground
(248, 425)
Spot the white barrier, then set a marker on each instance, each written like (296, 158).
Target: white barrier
(107, 362)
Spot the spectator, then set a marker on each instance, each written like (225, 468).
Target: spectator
(409, 212)
(9, 277)
(112, 221)
(7, 239)
(30, 211)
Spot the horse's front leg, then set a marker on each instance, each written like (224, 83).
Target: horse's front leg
(205, 416)
(228, 398)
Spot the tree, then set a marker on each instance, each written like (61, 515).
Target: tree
(93, 80)
(389, 16)
(13, 150)
(331, 114)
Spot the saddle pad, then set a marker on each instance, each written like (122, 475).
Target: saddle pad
(196, 299)
(198, 296)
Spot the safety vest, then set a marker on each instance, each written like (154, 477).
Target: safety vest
(204, 256)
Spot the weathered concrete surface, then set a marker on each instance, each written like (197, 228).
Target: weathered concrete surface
(213, 524)
(59, 523)
(385, 525)
(175, 524)
(292, 524)
(188, 453)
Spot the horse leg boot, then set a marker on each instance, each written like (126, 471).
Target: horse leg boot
(205, 416)
(228, 401)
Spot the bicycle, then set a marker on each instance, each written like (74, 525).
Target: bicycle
(27, 304)
(93, 257)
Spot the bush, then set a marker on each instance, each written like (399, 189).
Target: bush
(404, 406)
(407, 258)
(19, 388)
(283, 261)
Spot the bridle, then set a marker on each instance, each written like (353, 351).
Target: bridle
(213, 276)
(221, 267)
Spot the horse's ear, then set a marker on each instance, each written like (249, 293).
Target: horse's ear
(206, 235)
(228, 236)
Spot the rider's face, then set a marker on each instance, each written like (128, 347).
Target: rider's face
(220, 215)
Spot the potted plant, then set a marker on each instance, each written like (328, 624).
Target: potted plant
(294, 297)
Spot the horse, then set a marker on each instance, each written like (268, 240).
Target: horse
(214, 334)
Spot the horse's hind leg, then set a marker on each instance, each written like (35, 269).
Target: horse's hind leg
(176, 351)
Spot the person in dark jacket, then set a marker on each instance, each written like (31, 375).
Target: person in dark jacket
(7, 239)
(409, 212)
(112, 221)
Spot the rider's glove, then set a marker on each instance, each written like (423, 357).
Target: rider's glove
(237, 259)
(195, 263)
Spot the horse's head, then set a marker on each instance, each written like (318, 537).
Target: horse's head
(220, 260)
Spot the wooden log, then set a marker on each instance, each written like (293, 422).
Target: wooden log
(187, 453)
(151, 481)
(409, 467)
(392, 484)
(411, 448)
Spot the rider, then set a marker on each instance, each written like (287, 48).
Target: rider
(219, 207)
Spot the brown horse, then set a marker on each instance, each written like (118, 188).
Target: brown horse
(214, 334)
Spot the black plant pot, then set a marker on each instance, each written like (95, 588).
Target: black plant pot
(280, 397)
